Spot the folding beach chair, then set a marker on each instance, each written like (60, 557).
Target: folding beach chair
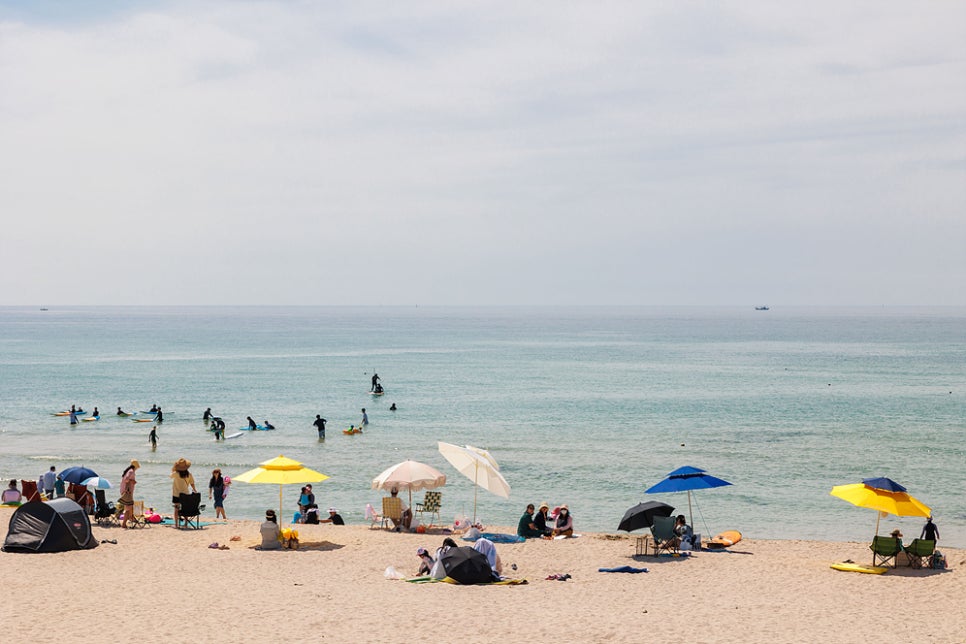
(919, 550)
(82, 497)
(391, 511)
(104, 510)
(373, 517)
(884, 550)
(430, 505)
(663, 533)
(29, 491)
(190, 512)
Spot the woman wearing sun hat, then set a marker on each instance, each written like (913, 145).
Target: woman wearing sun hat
(565, 523)
(540, 519)
(182, 482)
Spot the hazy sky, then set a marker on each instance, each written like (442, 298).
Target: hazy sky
(483, 153)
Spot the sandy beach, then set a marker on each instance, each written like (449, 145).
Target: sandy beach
(167, 584)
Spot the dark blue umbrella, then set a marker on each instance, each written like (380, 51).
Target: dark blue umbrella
(883, 483)
(685, 479)
(77, 474)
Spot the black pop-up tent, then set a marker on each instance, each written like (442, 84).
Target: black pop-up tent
(466, 565)
(54, 526)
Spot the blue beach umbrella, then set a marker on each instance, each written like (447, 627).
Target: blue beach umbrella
(685, 479)
(77, 474)
(97, 482)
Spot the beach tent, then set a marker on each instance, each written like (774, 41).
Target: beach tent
(54, 526)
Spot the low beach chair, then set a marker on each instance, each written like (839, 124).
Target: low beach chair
(190, 513)
(391, 511)
(372, 516)
(430, 505)
(919, 550)
(104, 510)
(884, 550)
(663, 534)
(29, 491)
(82, 497)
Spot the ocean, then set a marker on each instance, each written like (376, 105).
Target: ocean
(587, 406)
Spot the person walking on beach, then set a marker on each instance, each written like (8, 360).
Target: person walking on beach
(320, 425)
(375, 380)
(127, 491)
(153, 437)
(365, 419)
(929, 531)
(50, 480)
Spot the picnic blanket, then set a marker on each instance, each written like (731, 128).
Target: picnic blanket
(622, 569)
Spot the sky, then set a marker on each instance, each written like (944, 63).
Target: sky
(483, 153)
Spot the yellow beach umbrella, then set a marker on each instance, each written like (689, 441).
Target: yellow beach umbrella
(884, 495)
(281, 471)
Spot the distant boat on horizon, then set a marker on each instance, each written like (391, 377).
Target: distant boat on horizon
(44, 308)
(762, 308)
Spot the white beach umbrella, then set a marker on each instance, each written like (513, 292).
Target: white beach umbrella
(479, 466)
(409, 475)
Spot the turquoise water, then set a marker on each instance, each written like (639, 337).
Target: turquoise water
(585, 406)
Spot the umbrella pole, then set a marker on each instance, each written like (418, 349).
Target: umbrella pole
(476, 487)
(280, 504)
(690, 512)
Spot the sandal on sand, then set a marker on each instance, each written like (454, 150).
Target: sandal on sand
(114, 541)
(213, 546)
(235, 538)
(223, 547)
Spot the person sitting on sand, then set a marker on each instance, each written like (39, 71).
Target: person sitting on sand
(426, 561)
(269, 532)
(540, 519)
(486, 546)
(11, 496)
(334, 518)
(526, 528)
(564, 525)
(439, 571)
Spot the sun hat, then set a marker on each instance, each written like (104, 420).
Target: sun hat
(544, 505)
(135, 463)
(564, 507)
(181, 465)
(333, 510)
(420, 551)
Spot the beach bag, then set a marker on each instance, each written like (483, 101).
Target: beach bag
(938, 561)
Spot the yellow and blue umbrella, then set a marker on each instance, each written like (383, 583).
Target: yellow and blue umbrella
(882, 494)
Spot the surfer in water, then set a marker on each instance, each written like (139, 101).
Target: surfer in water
(207, 415)
(268, 425)
(365, 418)
(320, 425)
(153, 437)
(392, 407)
(121, 412)
(160, 417)
(251, 424)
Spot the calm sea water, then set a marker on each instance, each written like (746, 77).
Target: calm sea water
(585, 406)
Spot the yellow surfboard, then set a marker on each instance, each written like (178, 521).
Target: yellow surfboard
(723, 540)
(854, 567)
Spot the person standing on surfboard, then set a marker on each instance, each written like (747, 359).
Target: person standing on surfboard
(375, 379)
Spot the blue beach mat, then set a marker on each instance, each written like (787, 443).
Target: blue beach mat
(497, 537)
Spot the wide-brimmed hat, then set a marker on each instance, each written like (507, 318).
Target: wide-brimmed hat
(181, 465)
(543, 505)
(564, 507)
(333, 510)
(135, 463)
